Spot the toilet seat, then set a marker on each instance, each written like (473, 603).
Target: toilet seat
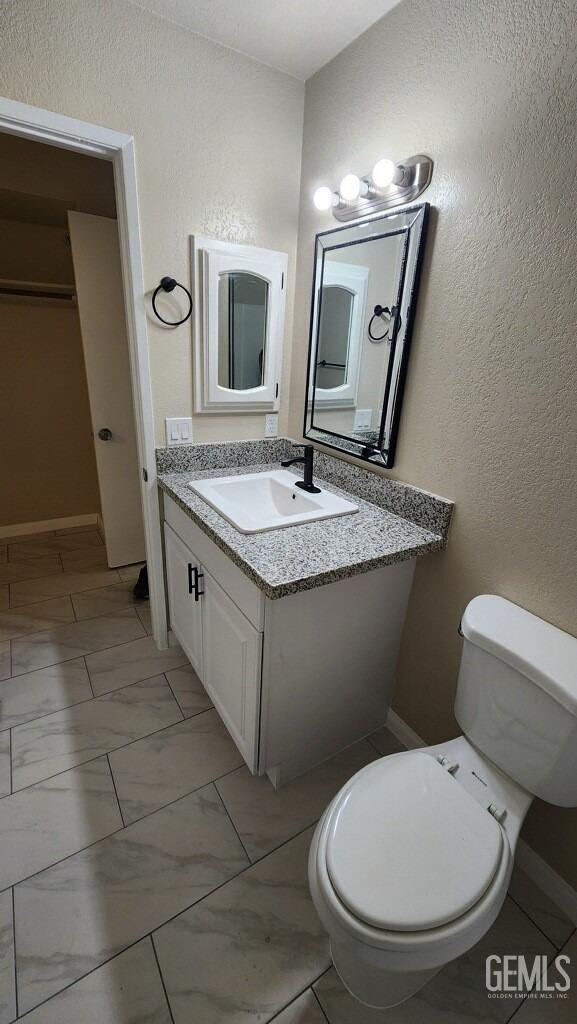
(407, 848)
(425, 947)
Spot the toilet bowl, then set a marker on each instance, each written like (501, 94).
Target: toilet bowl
(411, 861)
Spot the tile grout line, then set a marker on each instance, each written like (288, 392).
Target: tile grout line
(103, 753)
(10, 754)
(88, 676)
(533, 922)
(113, 780)
(226, 811)
(185, 717)
(14, 951)
(97, 650)
(117, 831)
(161, 975)
(318, 1002)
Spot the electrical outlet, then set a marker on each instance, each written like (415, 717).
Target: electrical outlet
(363, 419)
(178, 430)
(271, 425)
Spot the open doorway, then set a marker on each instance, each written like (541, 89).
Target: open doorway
(67, 416)
(76, 416)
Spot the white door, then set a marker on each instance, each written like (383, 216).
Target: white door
(184, 599)
(97, 271)
(232, 667)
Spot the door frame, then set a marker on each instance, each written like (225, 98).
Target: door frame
(81, 137)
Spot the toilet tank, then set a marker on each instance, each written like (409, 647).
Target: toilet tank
(517, 696)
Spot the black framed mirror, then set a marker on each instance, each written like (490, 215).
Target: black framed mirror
(365, 284)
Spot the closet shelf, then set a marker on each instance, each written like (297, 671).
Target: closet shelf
(37, 289)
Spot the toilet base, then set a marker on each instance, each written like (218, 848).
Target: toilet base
(375, 986)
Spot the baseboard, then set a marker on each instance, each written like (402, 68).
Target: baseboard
(538, 870)
(44, 525)
(544, 876)
(403, 732)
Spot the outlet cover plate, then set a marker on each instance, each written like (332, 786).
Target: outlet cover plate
(271, 425)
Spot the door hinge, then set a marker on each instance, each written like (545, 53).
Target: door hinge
(145, 475)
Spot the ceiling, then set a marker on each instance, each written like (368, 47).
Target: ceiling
(296, 36)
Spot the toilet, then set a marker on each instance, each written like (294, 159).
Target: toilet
(410, 863)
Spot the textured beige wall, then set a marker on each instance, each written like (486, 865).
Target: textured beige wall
(46, 447)
(490, 416)
(218, 143)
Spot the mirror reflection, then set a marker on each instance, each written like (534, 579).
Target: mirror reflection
(242, 319)
(364, 296)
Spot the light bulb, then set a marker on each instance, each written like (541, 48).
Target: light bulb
(350, 187)
(323, 198)
(383, 173)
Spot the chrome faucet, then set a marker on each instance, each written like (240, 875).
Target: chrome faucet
(307, 459)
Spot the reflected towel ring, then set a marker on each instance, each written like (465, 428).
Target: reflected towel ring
(168, 284)
(378, 312)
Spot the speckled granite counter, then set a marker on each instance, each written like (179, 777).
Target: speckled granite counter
(285, 561)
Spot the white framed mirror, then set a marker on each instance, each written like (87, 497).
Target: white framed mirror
(239, 295)
(344, 296)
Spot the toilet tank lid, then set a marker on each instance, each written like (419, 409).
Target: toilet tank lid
(541, 652)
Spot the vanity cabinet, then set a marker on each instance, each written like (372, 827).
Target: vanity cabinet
(295, 679)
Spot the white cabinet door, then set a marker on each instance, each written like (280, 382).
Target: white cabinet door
(184, 600)
(232, 667)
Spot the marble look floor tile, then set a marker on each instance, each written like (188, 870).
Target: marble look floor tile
(145, 616)
(537, 1010)
(385, 742)
(35, 617)
(67, 738)
(7, 984)
(56, 818)
(84, 558)
(30, 568)
(247, 950)
(37, 650)
(5, 765)
(34, 694)
(126, 990)
(158, 769)
(265, 817)
(128, 663)
(188, 690)
(130, 572)
(105, 600)
(27, 591)
(112, 894)
(5, 660)
(35, 548)
(4, 596)
(457, 994)
(546, 914)
(304, 1010)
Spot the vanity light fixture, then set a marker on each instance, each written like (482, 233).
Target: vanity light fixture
(389, 184)
(324, 198)
(351, 187)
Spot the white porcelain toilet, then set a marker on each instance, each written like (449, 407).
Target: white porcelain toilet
(410, 863)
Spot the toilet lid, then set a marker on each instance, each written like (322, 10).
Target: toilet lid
(407, 848)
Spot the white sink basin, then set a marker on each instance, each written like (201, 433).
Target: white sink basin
(267, 501)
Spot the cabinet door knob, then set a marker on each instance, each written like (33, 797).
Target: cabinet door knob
(105, 434)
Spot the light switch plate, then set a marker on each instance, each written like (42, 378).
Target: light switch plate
(178, 430)
(271, 425)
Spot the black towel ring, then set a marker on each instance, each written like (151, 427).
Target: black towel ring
(168, 284)
(379, 310)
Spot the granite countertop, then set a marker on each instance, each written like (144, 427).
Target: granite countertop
(295, 558)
